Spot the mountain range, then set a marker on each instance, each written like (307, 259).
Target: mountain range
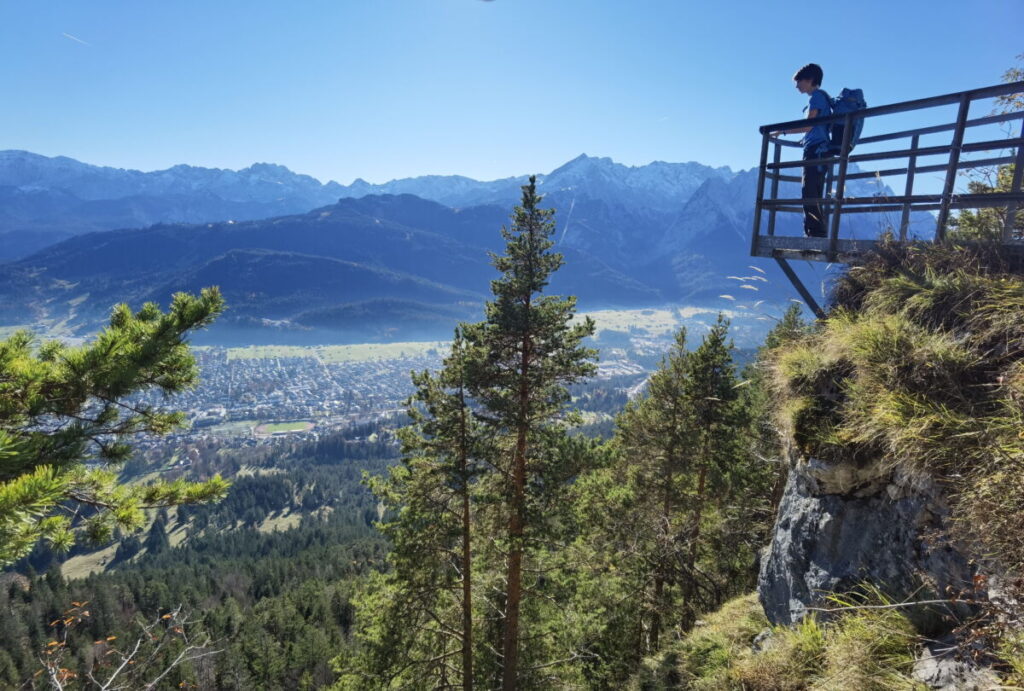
(300, 259)
(44, 200)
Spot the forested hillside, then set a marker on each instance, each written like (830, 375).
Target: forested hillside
(265, 577)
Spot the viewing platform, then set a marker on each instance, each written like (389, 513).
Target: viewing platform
(894, 159)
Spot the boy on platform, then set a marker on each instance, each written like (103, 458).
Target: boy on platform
(808, 81)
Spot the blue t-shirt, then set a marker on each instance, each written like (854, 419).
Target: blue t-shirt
(819, 133)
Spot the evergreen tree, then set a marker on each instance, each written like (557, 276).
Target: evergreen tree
(156, 540)
(658, 432)
(62, 406)
(528, 352)
(757, 400)
(666, 526)
(418, 619)
(711, 395)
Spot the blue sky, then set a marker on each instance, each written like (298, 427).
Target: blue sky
(383, 89)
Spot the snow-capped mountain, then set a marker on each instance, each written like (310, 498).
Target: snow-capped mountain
(44, 200)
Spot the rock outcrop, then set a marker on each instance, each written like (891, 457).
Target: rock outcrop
(841, 526)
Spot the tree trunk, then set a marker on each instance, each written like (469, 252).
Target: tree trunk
(659, 585)
(467, 585)
(514, 585)
(659, 578)
(699, 508)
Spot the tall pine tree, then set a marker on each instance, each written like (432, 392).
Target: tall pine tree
(481, 492)
(529, 351)
(417, 620)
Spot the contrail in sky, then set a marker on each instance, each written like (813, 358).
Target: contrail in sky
(75, 38)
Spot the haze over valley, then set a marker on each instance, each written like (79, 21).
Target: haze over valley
(301, 262)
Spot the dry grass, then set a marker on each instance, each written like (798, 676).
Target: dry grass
(792, 659)
(921, 364)
(703, 659)
(866, 650)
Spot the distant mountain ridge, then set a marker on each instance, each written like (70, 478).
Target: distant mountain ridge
(336, 269)
(658, 185)
(631, 236)
(260, 182)
(44, 200)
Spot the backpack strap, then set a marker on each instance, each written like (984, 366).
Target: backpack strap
(828, 99)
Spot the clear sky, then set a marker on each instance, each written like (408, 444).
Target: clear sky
(383, 89)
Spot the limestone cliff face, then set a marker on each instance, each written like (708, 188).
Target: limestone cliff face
(840, 526)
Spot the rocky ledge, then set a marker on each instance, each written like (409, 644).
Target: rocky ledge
(842, 526)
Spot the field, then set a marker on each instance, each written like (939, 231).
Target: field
(651, 322)
(234, 428)
(271, 427)
(360, 352)
(280, 523)
(654, 322)
(82, 565)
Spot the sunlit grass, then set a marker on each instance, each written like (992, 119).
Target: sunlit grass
(863, 649)
(272, 427)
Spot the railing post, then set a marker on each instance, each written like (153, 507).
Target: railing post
(1015, 186)
(909, 191)
(775, 186)
(760, 195)
(837, 206)
(954, 160)
(826, 208)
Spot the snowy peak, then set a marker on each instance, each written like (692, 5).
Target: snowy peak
(658, 185)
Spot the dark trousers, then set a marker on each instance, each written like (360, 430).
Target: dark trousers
(813, 187)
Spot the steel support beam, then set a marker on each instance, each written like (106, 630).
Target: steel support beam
(800, 288)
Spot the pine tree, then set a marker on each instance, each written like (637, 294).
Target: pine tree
(529, 351)
(656, 439)
(64, 423)
(711, 395)
(682, 465)
(156, 540)
(418, 618)
(481, 491)
(757, 401)
(662, 422)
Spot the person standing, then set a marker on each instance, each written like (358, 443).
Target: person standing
(815, 142)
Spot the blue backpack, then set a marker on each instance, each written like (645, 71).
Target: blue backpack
(848, 101)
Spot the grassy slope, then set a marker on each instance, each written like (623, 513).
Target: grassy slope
(867, 650)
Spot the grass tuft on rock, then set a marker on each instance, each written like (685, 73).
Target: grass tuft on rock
(861, 649)
(920, 366)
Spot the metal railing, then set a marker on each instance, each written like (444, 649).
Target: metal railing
(836, 204)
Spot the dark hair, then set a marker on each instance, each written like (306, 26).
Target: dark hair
(810, 71)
